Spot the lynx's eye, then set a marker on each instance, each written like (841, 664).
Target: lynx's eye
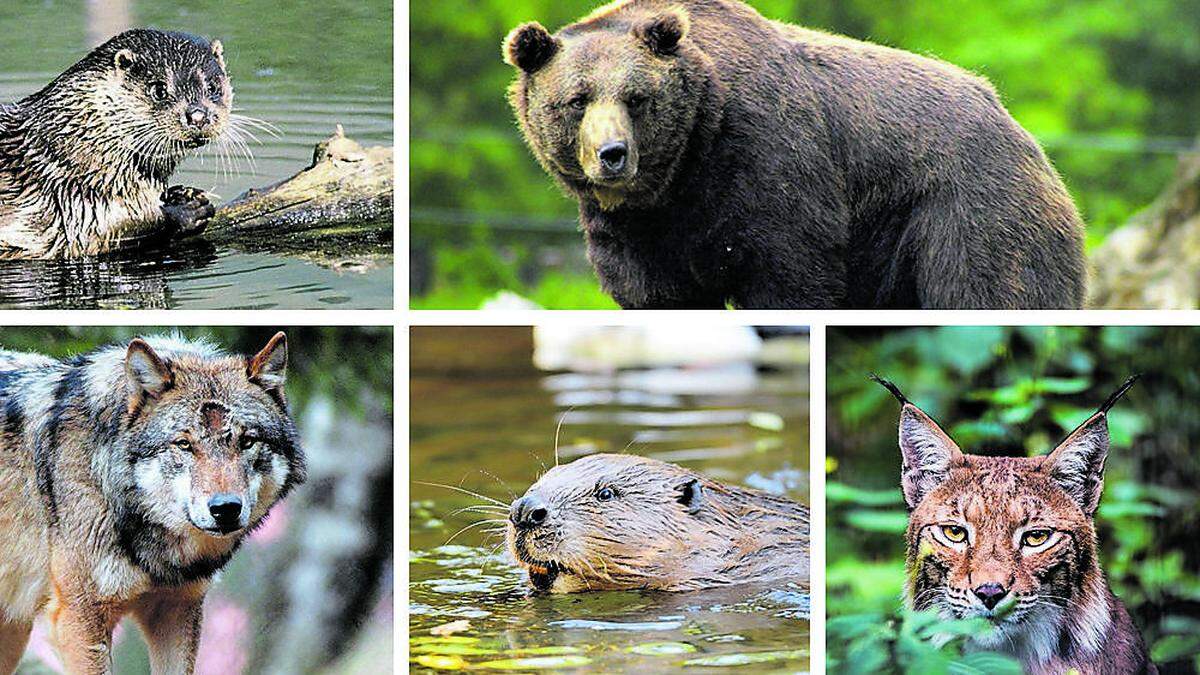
(1034, 538)
(954, 533)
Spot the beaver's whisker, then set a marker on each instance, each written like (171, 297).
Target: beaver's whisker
(503, 485)
(475, 524)
(464, 491)
(479, 508)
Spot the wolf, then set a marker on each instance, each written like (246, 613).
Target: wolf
(1013, 540)
(128, 478)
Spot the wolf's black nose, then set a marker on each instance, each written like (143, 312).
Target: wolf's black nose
(528, 512)
(226, 509)
(613, 156)
(990, 594)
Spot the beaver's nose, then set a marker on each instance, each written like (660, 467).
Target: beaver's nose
(990, 594)
(528, 512)
(613, 155)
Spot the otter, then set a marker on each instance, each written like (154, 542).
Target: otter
(84, 162)
(623, 522)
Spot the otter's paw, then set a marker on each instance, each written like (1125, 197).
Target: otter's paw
(187, 208)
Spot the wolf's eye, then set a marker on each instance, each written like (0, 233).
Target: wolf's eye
(183, 444)
(954, 533)
(247, 442)
(1035, 537)
(158, 91)
(606, 494)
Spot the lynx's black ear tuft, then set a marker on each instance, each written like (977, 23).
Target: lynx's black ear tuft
(691, 495)
(926, 452)
(663, 33)
(887, 384)
(1077, 464)
(529, 47)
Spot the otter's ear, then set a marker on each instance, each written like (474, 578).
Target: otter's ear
(148, 375)
(124, 59)
(1077, 464)
(691, 495)
(662, 33)
(268, 368)
(529, 47)
(218, 52)
(927, 454)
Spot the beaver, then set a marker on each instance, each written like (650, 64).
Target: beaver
(620, 522)
(84, 162)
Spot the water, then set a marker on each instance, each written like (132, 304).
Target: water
(303, 66)
(494, 434)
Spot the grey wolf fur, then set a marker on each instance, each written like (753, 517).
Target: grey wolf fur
(128, 477)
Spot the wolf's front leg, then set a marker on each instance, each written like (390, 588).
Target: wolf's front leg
(13, 638)
(170, 619)
(82, 636)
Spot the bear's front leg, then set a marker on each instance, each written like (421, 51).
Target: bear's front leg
(187, 210)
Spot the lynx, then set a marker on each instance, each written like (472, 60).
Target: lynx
(1013, 540)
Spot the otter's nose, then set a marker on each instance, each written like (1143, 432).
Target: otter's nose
(613, 156)
(196, 116)
(990, 594)
(528, 512)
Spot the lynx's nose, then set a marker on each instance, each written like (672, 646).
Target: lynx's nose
(528, 512)
(226, 509)
(990, 594)
(613, 156)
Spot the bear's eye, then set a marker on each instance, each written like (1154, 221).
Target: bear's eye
(157, 91)
(1035, 538)
(954, 533)
(606, 494)
(636, 101)
(578, 101)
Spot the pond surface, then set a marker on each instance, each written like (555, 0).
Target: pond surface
(494, 436)
(302, 66)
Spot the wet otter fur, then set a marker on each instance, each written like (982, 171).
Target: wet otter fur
(619, 522)
(84, 162)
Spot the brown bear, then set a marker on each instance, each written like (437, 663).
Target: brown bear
(720, 158)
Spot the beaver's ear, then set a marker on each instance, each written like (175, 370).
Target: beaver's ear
(663, 33)
(124, 59)
(529, 47)
(691, 495)
(218, 52)
(927, 454)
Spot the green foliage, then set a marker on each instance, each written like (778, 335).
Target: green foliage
(1018, 391)
(909, 642)
(1106, 86)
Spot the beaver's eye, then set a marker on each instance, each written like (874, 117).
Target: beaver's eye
(158, 91)
(1035, 537)
(954, 533)
(578, 101)
(606, 494)
(183, 444)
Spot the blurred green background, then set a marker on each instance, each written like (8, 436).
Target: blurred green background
(311, 590)
(1018, 391)
(1109, 88)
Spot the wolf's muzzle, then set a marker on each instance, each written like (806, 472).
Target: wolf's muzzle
(226, 510)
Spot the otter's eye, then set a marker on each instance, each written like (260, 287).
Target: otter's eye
(954, 533)
(578, 102)
(158, 91)
(1035, 537)
(606, 494)
(183, 444)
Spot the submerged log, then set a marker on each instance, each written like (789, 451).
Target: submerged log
(340, 205)
(1153, 261)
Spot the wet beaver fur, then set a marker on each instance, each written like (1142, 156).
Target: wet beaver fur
(613, 522)
(84, 162)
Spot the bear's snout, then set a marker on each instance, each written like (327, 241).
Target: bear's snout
(612, 157)
(607, 153)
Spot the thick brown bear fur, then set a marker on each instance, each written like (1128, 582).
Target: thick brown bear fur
(759, 164)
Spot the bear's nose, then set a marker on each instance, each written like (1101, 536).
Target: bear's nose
(528, 512)
(990, 594)
(613, 155)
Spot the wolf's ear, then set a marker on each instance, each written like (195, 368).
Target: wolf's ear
(529, 47)
(691, 495)
(218, 52)
(927, 454)
(268, 368)
(662, 33)
(147, 373)
(1077, 464)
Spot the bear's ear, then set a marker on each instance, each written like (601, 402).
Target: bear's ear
(529, 47)
(662, 33)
